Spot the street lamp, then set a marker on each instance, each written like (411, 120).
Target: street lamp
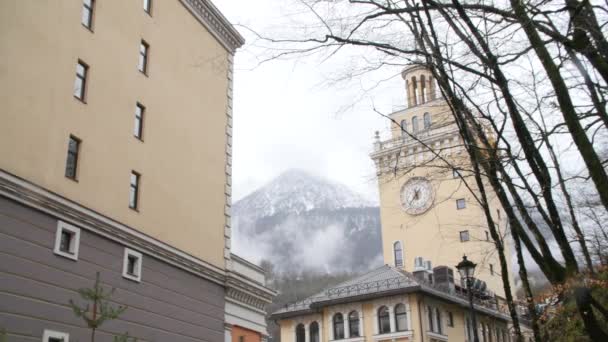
(466, 268)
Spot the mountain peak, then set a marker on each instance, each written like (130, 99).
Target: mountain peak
(296, 191)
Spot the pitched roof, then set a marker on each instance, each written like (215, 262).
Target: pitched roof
(380, 282)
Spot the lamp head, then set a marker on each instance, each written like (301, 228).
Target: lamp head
(466, 268)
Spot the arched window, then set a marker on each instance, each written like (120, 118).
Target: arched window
(353, 324)
(414, 91)
(314, 332)
(338, 326)
(384, 320)
(422, 89)
(398, 250)
(403, 127)
(427, 120)
(415, 124)
(300, 333)
(400, 317)
(430, 317)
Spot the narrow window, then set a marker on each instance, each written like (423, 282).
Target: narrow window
(498, 213)
(55, 336)
(414, 91)
(134, 191)
(384, 320)
(138, 128)
(131, 268)
(487, 236)
(144, 49)
(455, 173)
(353, 324)
(400, 317)
(439, 325)
(422, 89)
(450, 319)
(460, 204)
(427, 120)
(404, 127)
(148, 6)
(314, 332)
(80, 84)
(338, 321)
(87, 13)
(464, 236)
(430, 318)
(71, 165)
(398, 250)
(415, 124)
(300, 333)
(491, 269)
(67, 240)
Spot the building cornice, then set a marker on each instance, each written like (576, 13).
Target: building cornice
(214, 21)
(60, 207)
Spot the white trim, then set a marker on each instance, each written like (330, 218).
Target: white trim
(48, 334)
(75, 243)
(352, 339)
(437, 336)
(394, 335)
(125, 263)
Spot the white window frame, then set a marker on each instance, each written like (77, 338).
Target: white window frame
(125, 265)
(48, 334)
(75, 245)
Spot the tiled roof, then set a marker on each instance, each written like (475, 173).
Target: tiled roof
(383, 281)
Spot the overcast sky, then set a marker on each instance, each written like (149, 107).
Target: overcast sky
(287, 116)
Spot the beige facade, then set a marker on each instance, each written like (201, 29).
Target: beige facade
(433, 232)
(182, 158)
(429, 315)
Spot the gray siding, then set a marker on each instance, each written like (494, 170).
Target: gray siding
(168, 305)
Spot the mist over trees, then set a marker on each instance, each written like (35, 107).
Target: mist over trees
(526, 82)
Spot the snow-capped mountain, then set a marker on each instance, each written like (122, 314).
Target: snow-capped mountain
(301, 222)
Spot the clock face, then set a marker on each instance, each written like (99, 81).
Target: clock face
(417, 195)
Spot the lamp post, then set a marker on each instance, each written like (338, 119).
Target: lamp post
(466, 268)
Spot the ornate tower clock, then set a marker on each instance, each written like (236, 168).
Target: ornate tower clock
(428, 216)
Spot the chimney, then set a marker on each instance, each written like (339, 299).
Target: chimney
(444, 278)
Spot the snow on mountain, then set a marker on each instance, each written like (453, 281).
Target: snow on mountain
(301, 222)
(297, 191)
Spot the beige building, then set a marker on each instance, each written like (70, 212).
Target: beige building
(115, 156)
(428, 205)
(429, 218)
(389, 304)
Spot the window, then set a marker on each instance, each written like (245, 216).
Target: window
(144, 49)
(461, 204)
(439, 325)
(139, 121)
(148, 6)
(450, 319)
(71, 164)
(67, 240)
(384, 320)
(80, 84)
(241, 338)
(415, 124)
(134, 191)
(404, 127)
(400, 317)
(427, 120)
(353, 324)
(498, 213)
(430, 318)
(398, 254)
(491, 269)
(131, 268)
(314, 332)
(487, 236)
(338, 326)
(483, 332)
(455, 173)
(300, 333)
(464, 236)
(87, 13)
(55, 336)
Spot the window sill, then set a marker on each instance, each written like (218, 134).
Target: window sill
(437, 336)
(134, 209)
(394, 335)
(72, 179)
(140, 139)
(145, 73)
(66, 255)
(131, 277)
(90, 29)
(350, 339)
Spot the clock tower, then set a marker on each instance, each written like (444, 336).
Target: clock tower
(429, 216)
